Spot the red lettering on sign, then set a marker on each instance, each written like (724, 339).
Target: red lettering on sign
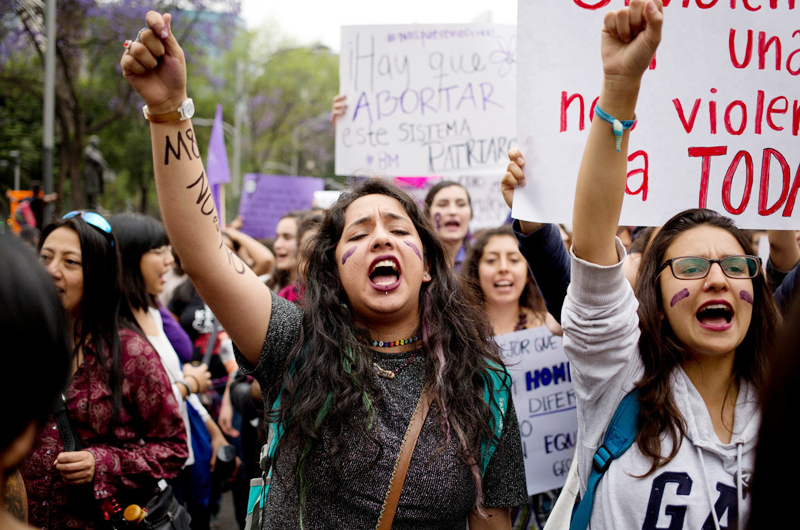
(688, 126)
(565, 103)
(592, 7)
(644, 172)
(727, 183)
(769, 154)
(748, 54)
(742, 125)
(706, 153)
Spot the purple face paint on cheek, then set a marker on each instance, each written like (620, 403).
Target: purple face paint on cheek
(414, 248)
(438, 219)
(746, 296)
(678, 297)
(348, 253)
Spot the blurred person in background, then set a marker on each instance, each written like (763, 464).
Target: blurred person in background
(286, 252)
(35, 335)
(118, 399)
(449, 210)
(146, 257)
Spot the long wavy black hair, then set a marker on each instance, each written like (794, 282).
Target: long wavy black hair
(329, 379)
(661, 351)
(98, 323)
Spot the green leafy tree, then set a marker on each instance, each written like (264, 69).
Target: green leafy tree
(91, 95)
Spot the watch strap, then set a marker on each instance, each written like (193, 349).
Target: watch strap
(175, 115)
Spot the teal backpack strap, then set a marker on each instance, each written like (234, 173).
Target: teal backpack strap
(498, 384)
(259, 487)
(619, 437)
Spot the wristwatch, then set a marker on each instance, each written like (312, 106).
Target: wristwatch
(184, 112)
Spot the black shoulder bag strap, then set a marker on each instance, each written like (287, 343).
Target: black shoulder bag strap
(72, 442)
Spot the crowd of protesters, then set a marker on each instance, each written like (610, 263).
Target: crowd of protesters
(353, 356)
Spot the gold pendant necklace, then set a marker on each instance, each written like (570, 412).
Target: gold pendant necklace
(389, 374)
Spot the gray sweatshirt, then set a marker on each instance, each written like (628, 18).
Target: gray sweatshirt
(601, 334)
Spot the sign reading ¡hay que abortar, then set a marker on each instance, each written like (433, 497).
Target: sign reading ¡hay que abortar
(719, 110)
(427, 99)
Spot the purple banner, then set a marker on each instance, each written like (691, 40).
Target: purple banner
(267, 198)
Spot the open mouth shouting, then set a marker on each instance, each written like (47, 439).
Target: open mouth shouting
(504, 286)
(715, 315)
(384, 273)
(452, 225)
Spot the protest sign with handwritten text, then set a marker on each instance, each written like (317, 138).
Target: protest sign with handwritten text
(719, 110)
(427, 99)
(545, 404)
(267, 198)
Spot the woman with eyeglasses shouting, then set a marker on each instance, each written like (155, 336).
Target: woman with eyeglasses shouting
(695, 345)
(127, 441)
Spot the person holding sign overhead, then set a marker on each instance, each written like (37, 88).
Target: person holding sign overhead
(696, 349)
(387, 350)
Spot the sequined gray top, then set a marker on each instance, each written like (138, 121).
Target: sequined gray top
(439, 490)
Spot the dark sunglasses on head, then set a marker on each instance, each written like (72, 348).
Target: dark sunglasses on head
(697, 267)
(94, 219)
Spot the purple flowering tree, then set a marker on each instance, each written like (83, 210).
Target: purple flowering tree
(92, 97)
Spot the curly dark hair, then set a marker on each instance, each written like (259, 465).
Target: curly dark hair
(530, 298)
(328, 375)
(661, 351)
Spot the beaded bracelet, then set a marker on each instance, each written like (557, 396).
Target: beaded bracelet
(616, 125)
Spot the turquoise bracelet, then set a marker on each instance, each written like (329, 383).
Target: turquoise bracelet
(616, 125)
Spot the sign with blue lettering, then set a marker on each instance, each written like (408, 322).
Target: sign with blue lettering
(545, 404)
(427, 99)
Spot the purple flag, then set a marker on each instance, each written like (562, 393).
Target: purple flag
(217, 168)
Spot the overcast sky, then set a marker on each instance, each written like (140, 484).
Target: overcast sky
(312, 21)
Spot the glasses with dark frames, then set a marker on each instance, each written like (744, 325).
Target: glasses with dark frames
(697, 267)
(94, 219)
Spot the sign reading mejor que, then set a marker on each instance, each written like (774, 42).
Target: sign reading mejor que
(545, 404)
(427, 99)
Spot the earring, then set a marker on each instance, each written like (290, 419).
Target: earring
(426, 276)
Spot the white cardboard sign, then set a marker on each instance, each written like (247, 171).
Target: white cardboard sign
(719, 111)
(489, 209)
(427, 100)
(545, 404)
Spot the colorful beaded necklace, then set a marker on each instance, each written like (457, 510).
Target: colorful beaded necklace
(389, 374)
(392, 344)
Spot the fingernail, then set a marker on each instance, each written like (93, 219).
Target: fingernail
(164, 33)
(520, 161)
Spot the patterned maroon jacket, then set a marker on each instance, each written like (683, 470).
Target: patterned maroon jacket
(147, 444)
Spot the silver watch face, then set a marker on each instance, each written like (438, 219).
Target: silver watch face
(186, 109)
